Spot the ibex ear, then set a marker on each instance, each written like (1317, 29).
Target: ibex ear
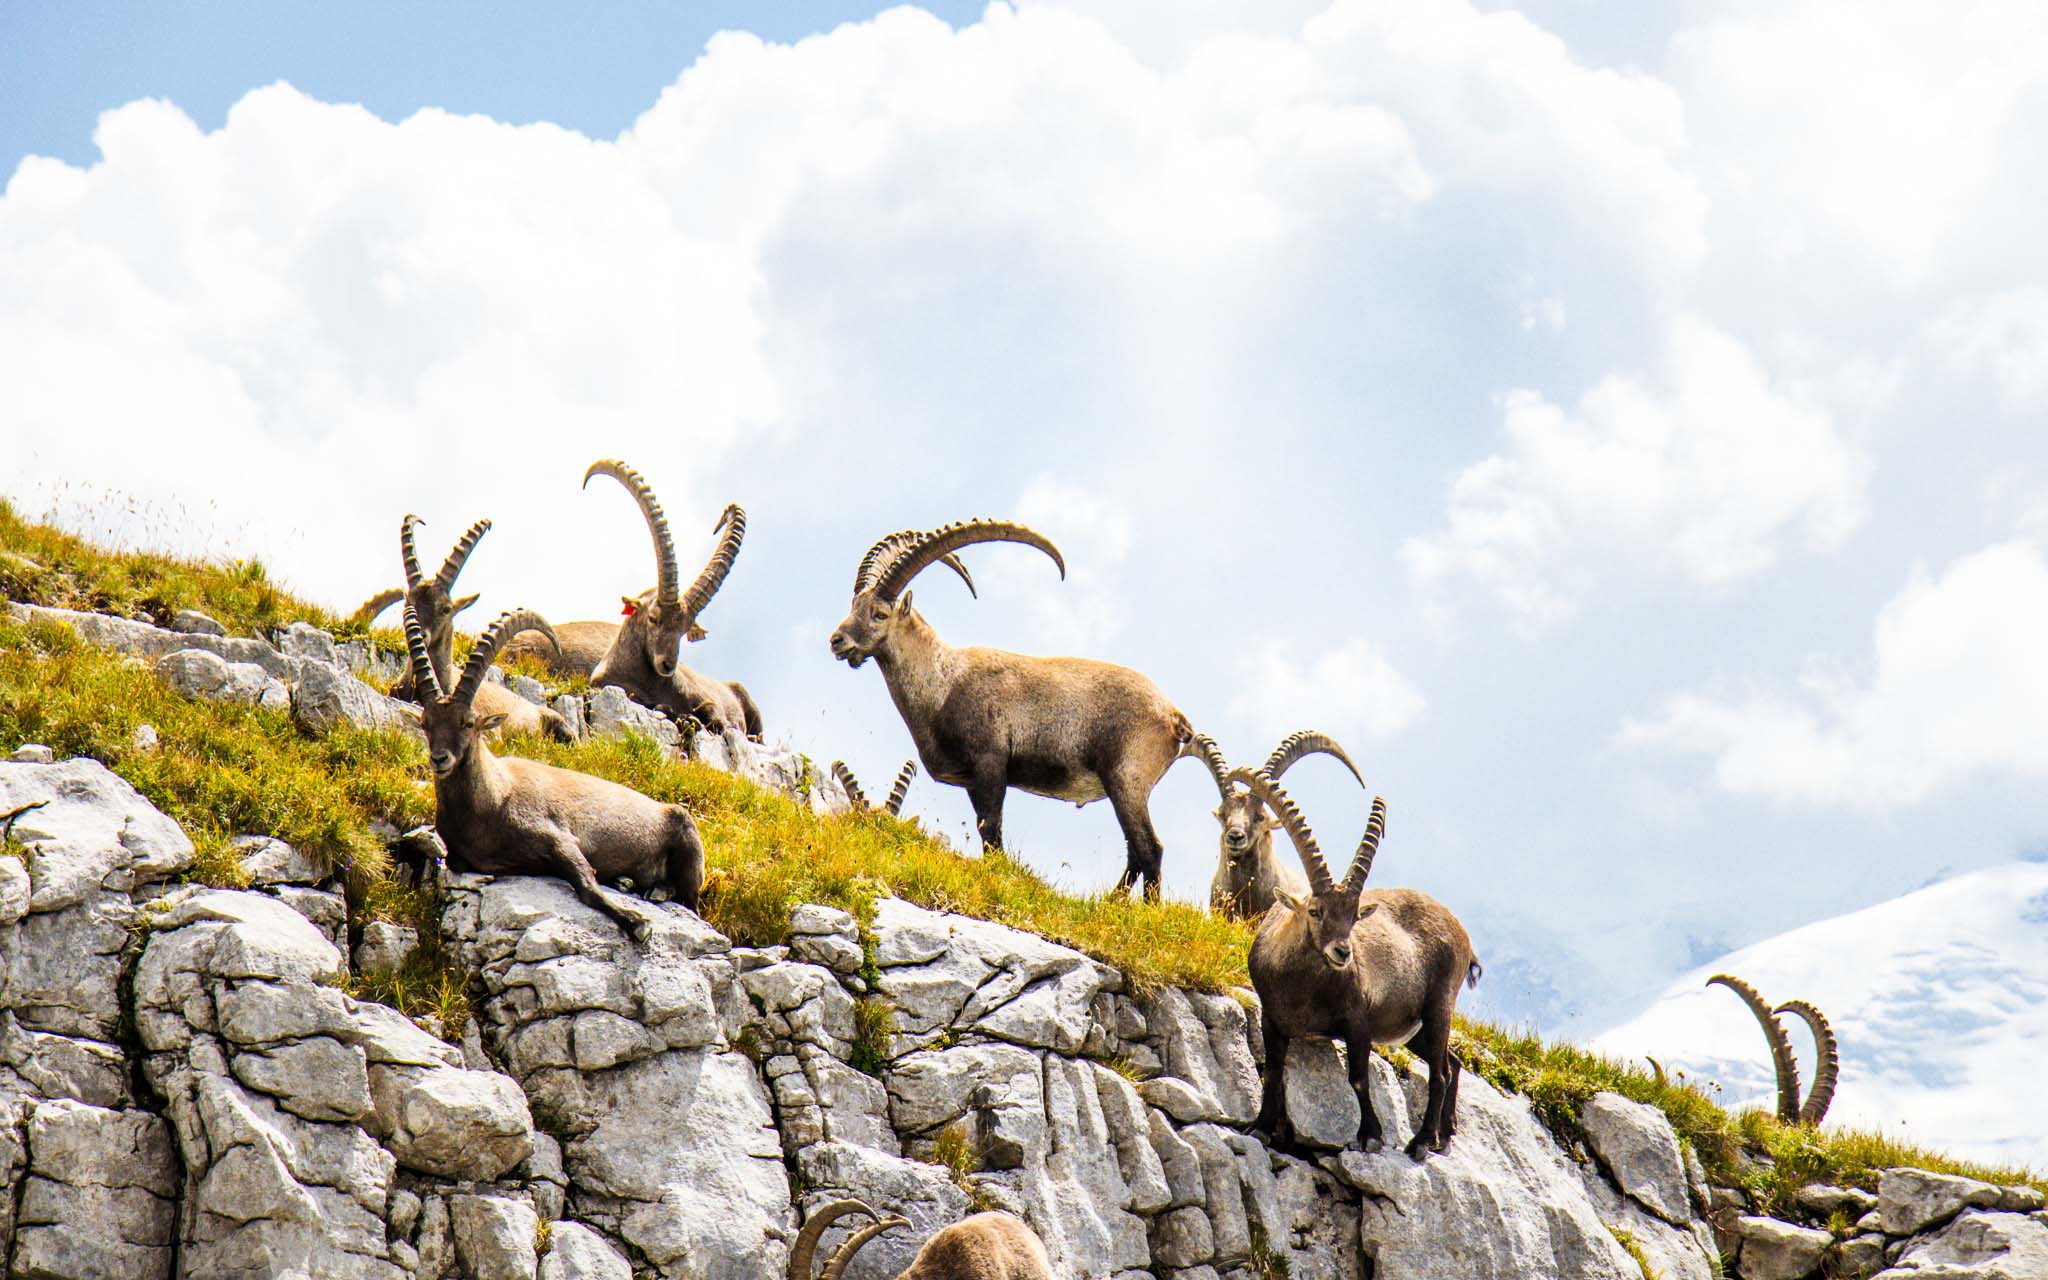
(1288, 899)
(486, 724)
(903, 601)
(463, 602)
(1368, 909)
(695, 633)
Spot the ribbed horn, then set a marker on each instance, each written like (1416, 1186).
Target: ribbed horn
(509, 624)
(885, 550)
(902, 787)
(1210, 754)
(927, 547)
(852, 784)
(1368, 846)
(424, 682)
(1262, 785)
(408, 552)
(657, 523)
(806, 1246)
(843, 1256)
(1827, 1060)
(733, 523)
(1307, 742)
(375, 605)
(459, 556)
(1781, 1045)
(1657, 1068)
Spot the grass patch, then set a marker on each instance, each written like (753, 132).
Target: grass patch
(1634, 1249)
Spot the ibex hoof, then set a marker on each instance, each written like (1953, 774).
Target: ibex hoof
(1418, 1150)
(1371, 1146)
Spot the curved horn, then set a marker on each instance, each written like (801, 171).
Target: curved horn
(1368, 846)
(1827, 1060)
(854, 1243)
(1206, 750)
(927, 547)
(459, 556)
(1781, 1045)
(1658, 1068)
(424, 682)
(509, 624)
(885, 550)
(407, 551)
(1263, 786)
(657, 523)
(1307, 743)
(806, 1246)
(375, 605)
(902, 787)
(734, 524)
(852, 785)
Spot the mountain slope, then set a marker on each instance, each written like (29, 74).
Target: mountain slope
(1939, 999)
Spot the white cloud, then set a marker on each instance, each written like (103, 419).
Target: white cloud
(2004, 336)
(1957, 685)
(1093, 533)
(1717, 467)
(1349, 690)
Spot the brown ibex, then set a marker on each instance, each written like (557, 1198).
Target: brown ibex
(1248, 873)
(987, 720)
(894, 804)
(514, 816)
(985, 1246)
(1827, 1069)
(1365, 966)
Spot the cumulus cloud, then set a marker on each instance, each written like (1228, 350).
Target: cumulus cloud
(1716, 466)
(2004, 337)
(1349, 689)
(1956, 685)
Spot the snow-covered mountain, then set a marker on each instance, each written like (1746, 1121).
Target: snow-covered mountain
(1939, 999)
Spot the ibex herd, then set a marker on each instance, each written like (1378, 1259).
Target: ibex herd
(1331, 958)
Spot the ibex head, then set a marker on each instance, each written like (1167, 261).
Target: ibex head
(1245, 819)
(665, 615)
(1331, 907)
(450, 721)
(881, 600)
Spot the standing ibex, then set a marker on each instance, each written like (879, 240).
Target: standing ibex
(894, 805)
(1248, 873)
(988, 720)
(986, 1246)
(432, 599)
(514, 816)
(1827, 1069)
(1379, 966)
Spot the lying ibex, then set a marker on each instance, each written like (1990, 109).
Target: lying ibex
(1248, 873)
(988, 720)
(1827, 1068)
(894, 805)
(435, 604)
(986, 1246)
(1378, 966)
(514, 816)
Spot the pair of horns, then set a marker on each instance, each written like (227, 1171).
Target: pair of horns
(451, 568)
(894, 805)
(732, 524)
(509, 624)
(891, 563)
(1827, 1057)
(1294, 747)
(806, 1247)
(1262, 784)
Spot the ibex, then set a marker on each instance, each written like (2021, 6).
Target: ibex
(514, 816)
(988, 720)
(1827, 1068)
(986, 1246)
(894, 805)
(1379, 966)
(432, 600)
(1248, 874)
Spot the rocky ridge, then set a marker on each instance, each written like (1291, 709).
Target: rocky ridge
(186, 1090)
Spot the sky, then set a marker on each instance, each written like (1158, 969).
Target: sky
(1622, 432)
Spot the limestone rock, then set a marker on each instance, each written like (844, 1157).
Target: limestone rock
(98, 1198)
(1636, 1143)
(268, 861)
(94, 832)
(1320, 1101)
(1205, 1042)
(1774, 1250)
(923, 1193)
(494, 1237)
(304, 640)
(578, 1253)
(1911, 1200)
(318, 1078)
(612, 714)
(1822, 1200)
(451, 1122)
(384, 947)
(1860, 1257)
(201, 673)
(32, 753)
(191, 622)
(327, 698)
(1978, 1246)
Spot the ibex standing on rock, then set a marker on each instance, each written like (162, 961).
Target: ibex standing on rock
(514, 816)
(988, 720)
(1379, 966)
(1827, 1069)
(1248, 874)
(986, 1246)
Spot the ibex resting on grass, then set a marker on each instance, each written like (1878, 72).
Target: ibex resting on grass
(514, 816)
(1827, 1058)
(1249, 875)
(986, 1246)
(1378, 966)
(988, 720)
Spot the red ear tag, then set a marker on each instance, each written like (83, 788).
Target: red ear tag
(629, 610)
